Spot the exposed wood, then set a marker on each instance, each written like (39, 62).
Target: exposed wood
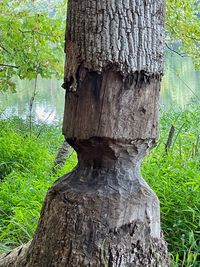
(103, 213)
(107, 105)
(16, 257)
(96, 217)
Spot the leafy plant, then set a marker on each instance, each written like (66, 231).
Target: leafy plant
(26, 175)
(32, 36)
(31, 40)
(183, 27)
(175, 177)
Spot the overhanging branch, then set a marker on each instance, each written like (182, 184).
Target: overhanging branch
(176, 52)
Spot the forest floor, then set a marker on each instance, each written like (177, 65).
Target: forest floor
(27, 156)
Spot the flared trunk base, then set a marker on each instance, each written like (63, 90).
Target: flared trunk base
(97, 224)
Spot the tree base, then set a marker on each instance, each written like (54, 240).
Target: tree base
(87, 223)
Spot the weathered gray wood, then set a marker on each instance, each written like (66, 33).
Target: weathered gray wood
(62, 155)
(108, 105)
(16, 257)
(103, 213)
(100, 218)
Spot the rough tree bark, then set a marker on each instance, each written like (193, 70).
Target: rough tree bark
(103, 213)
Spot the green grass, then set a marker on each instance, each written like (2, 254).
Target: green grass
(175, 177)
(26, 163)
(26, 173)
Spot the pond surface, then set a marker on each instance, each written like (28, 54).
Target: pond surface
(180, 87)
(48, 105)
(181, 83)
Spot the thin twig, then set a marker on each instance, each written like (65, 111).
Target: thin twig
(31, 106)
(190, 89)
(6, 50)
(179, 131)
(40, 131)
(9, 66)
(170, 138)
(36, 32)
(176, 52)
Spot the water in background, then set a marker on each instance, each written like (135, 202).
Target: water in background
(180, 87)
(48, 105)
(181, 83)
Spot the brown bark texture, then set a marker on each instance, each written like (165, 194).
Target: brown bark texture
(103, 213)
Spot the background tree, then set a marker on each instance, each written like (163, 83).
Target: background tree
(103, 213)
(183, 27)
(31, 40)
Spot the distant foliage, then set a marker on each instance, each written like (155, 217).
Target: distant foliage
(31, 40)
(183, 26)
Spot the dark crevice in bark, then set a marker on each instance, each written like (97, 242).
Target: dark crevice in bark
(138, 78)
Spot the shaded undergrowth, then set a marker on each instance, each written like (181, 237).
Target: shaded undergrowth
(174, 174)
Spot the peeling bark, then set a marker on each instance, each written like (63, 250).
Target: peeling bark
(103, 214)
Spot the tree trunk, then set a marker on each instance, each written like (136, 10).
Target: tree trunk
(103, 213)
(61, 157)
